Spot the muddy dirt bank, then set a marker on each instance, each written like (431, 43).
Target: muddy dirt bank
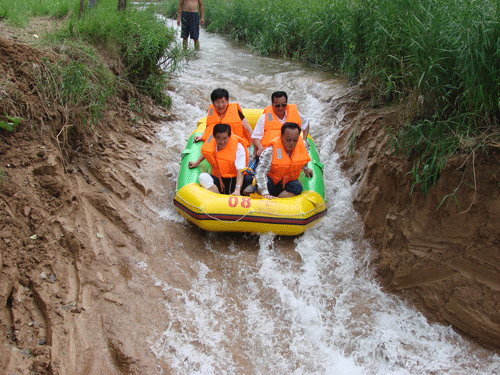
(73, 228)
(443, 256)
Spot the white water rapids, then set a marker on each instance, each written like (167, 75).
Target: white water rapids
(249, 304)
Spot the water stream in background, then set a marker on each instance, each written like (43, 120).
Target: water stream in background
(249, 304)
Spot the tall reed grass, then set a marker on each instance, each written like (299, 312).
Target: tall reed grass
(441, 56)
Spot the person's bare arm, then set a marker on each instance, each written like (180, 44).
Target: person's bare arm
(305, 133)
(258, 146)
(206, 134)
(194, 164)
(179, 12)
(202, 12)
(257, 134)
(247, 126)
(239, 181)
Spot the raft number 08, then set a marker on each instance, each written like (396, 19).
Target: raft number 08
(245, 202)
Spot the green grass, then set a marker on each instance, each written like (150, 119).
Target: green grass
(3, 176)
(442, 54)
(19, 12)
(79, 81)
(11, 123)
(104, 57)
(147, 49)
(441, 57)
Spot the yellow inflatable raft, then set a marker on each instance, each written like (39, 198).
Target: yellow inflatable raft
(227, 213)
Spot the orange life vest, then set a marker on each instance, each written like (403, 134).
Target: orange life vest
(272, 125)
(222, 161)
(232, 118)
(287, 168)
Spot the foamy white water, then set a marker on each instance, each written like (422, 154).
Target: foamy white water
(247, 304)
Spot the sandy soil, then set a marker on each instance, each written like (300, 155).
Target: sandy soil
(74, 225)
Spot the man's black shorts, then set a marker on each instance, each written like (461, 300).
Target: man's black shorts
(190, 25)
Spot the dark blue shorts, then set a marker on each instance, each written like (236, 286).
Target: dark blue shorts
(294, 187)
(190, 25)
(230, 183)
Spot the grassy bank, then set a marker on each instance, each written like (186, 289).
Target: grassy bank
(103, 55)
(147, 48)
(19, 12)
(440, 57)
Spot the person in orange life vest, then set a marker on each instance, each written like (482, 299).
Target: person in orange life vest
(269, 124)
(281, 163)
(228, 157)
(221, 111)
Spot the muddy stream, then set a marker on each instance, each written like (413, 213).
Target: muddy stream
(250, 304)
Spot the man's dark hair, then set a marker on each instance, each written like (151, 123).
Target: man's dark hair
(222, 128)
(279, 94)
(219, 94)
(289, 125)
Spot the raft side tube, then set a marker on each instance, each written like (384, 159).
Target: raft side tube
(223, 213)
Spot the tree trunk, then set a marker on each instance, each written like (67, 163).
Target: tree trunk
(122, 4)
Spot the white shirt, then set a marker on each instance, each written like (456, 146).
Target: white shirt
(258, 131)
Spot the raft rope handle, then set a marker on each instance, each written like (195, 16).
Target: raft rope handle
(242, 217)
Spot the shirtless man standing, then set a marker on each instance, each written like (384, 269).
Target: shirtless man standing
(187, 14)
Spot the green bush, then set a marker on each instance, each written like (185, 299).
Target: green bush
(142, 40)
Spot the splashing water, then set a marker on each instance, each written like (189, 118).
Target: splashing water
(251, 304)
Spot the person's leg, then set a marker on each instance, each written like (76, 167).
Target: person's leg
(216, 180)
(292, 189)
(184, 29)
(214, 189)
(285, 194)
(274, 189)
(247, 183)
(195, 30)
(209, 182)
(229, 185)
